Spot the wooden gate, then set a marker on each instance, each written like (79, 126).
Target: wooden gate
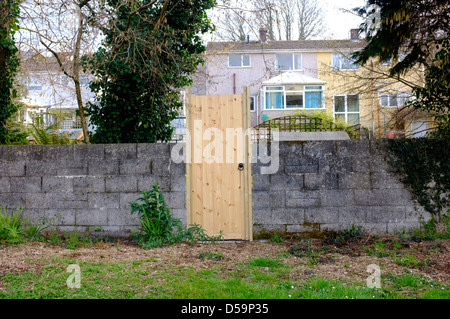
(218, 179)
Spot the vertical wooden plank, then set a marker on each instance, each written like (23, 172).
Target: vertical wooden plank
(248, 212)
(188, 115)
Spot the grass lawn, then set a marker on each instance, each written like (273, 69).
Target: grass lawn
(257, 270)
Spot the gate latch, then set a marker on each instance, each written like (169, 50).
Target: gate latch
(241, 166)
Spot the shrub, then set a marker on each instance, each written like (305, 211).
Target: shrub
(158, 226)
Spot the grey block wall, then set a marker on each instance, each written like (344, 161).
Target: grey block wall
(88, 186)
(319, 185)
(332, 185)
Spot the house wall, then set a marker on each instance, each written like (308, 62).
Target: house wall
(318, 185)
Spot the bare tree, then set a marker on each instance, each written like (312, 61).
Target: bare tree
(310, 21)
(287, 10)
(59, 30)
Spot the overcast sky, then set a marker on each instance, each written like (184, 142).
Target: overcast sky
(339, 21)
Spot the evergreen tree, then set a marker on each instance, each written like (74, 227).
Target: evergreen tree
(150, 50)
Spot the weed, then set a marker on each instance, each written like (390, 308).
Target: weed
(210, 256)
(408, 261)
(158, 226)
(276, 238)
(344, 237)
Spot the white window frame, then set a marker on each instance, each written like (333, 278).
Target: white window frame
(346, 113)
(277, 66)
(242, 61)
(342, 57)
(284, 93)
(398, 96)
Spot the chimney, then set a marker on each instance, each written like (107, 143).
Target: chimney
(354, 34)
(263, 35)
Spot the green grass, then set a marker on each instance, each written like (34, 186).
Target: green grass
(259, 278)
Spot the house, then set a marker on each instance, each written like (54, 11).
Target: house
(310, 75)
(49, 94)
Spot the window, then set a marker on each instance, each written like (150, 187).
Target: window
(286, 62)
(346, 108)
(342, 62)
(34, 84)
(238, 60)
(293, 97)
(395, 99)
(419, 128)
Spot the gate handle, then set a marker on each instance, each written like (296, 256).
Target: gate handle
(241, 166)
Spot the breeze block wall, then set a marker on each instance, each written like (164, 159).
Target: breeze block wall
(318, 185)
(332, 185)
(88, 186)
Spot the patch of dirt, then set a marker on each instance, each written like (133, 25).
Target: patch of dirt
(350, 264)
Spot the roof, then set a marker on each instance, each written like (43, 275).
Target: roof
(291, 77)
(298, 45)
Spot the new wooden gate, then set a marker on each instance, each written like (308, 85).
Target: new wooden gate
(218, 179)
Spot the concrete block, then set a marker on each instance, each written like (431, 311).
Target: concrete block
(360, 164)
(268, 199)
(13, 152)
(50, 217)
(287, 216)
(12, 200)
(121, 151)
(176, 169)
(25, 184)
(4, 185)
(385, 180)
(57, 184)
(146, 182)
(381, 197)
(354, 214)
(103, 167)
(121, 184)
(261, 182)
(313, 136)
(89, 152)
(321, 181)
(153, 150)
(299, 228)
(319, 149)
(291, 148)
(336, 198)
(262, 215)
(335, 164)
(150, 166)
(88, 184)
(72, 168)
(177, 183)
(387, 214)
(12, 168)
(353, 148)
(302, 199)
(321, 215)
(353, 180)
(175, 199)
(121, 217)
(126, 198)
(56, 152)
(91, 217)
(285, 182)
(393, 228)
(41, 168)
(103, 201)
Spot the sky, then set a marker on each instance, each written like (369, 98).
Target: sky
(340, 22)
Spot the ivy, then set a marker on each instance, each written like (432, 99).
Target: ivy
(9, 61)
(424, 166)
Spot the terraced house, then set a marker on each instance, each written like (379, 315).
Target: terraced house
(312, 75)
